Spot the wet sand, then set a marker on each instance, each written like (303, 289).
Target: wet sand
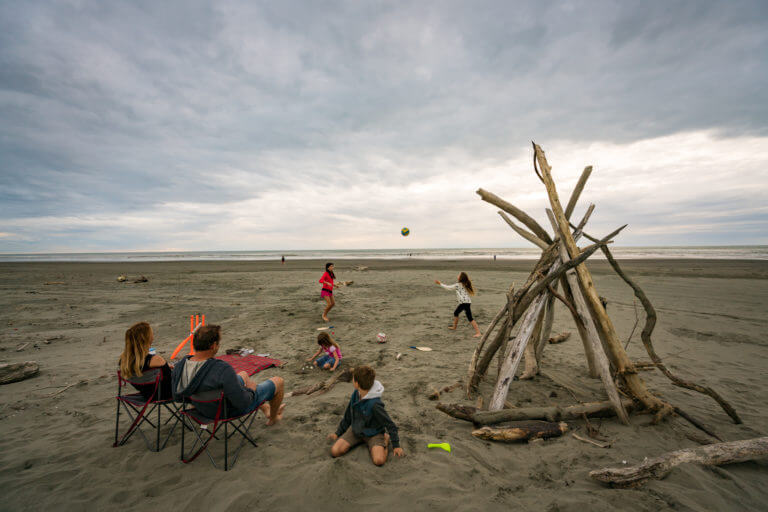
(56, 453)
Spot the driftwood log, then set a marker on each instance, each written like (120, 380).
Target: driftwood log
(321, 387)
(469, 413)
(522, 431)
(559, 338)
(14, 372)
(659, 467)
(447, 389)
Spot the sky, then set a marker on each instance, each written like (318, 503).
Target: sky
(184, 125)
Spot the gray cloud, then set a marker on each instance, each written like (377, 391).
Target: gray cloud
(121, 108)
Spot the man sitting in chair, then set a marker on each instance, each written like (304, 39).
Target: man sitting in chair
(203, 372)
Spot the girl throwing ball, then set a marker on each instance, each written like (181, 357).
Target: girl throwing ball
(464, 290)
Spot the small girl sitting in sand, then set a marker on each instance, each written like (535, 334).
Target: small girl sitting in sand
(137, 359)
(332, 356)
(463, 290)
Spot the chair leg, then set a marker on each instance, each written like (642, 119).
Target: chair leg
(117, 421)
(157, 437)
(226, 445)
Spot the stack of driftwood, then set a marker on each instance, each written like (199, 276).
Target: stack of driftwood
(523, 325)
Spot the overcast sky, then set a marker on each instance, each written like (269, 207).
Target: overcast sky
(309, 125)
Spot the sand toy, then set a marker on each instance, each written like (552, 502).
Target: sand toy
(444, 446)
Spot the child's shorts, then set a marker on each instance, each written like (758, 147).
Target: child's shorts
(325, 293)
(325, 359)
(353, 440)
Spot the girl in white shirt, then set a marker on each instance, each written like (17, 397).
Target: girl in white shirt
(463, 291)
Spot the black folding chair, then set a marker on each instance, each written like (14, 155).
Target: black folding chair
(139, 409)
(241, 424)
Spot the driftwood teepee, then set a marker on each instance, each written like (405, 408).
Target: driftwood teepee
(530, 311)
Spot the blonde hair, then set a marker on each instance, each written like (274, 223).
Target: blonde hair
(324, 340)
(464, 280)
(138, 338)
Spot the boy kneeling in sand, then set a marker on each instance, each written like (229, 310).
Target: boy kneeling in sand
(365, 420)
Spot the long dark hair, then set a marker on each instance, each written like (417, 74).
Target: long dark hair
(464, 280)
(330, 272)
(324, 340)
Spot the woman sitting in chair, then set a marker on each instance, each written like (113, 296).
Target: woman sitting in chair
(137, 359)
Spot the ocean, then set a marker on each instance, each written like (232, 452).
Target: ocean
(754, 252)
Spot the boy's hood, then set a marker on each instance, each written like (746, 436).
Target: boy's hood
(375, 392)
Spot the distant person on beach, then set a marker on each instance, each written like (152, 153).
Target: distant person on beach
(137, 358)
(366, 420)
(463, 290)
(327, 291)
(203, 372)
(282, 260)
(332, 357)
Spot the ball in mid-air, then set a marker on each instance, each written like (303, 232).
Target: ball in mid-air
(405, 231)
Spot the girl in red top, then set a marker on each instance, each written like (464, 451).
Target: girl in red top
(327, 291)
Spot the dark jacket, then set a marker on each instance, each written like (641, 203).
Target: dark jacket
(367, 416)
(213, 374)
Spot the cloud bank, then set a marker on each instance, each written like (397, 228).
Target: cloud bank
(251, 125)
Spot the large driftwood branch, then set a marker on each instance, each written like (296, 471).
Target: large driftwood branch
(555, 413)
(546, 329)
(13, 372)
(523, 233)
(659, 467)
(515, 353)
(516, 212)
(645, 335)
(522, 431)
(447, 389)
(577, 191)
(481, 344)
(633, 382)
(345, 376)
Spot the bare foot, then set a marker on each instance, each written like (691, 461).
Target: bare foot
(452, 328)
(478, 335)
(527, 375)
(271, 421)
(325, 319)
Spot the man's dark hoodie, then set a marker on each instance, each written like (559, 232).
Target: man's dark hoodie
(213, 374)
(367, 416)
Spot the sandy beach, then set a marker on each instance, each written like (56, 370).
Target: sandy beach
(56, 445)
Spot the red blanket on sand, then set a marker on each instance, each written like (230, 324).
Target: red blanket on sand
(250, 364)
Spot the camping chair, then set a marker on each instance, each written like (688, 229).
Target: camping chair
(240, 424)
(139, 409)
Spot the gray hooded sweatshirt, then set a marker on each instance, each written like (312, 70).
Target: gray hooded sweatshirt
(367, 416)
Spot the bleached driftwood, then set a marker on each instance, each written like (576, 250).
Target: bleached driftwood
(554, 413)
(523, 233)
(577, 191)
(599, 444)
(605, 327)
(14, 372)
(659, 467)
(517, 213)
(515, 353)
(522, 431)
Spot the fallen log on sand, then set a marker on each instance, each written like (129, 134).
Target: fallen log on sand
(447, 389)
(522, 431)
(17, 371)
(468, 413)
(659, 467)
(559, 338)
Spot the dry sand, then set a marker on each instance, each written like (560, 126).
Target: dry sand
(56, 453)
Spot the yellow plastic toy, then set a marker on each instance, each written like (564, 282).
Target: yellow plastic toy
(444, 446)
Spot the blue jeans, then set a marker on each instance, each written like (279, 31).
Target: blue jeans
(265, 391)
(324, 359)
